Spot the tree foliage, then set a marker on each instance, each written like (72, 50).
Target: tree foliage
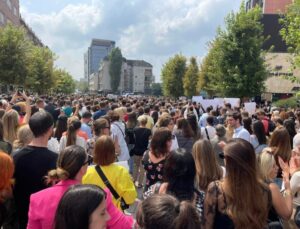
(172, 76)
(190, 78)
(64, 83)
(156, 89)
(115, 66)
(235, 62)
(82, 86)
(291, 30)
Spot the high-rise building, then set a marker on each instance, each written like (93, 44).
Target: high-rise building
(98, 50)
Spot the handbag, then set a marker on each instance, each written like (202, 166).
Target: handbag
(124, 206)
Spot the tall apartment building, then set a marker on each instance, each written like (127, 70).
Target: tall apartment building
(98, 50)
(278, 59)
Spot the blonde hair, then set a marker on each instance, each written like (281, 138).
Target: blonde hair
(266, 161)
(24, 137)
(10, 125)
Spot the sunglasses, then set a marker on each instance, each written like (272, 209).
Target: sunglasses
(89, 160)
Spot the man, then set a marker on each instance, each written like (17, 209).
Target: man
(234, 120)
(101, 112)
(209, 131)
(202, 120)
(40, 104)
(269, 126)
(51, 108)
(86, 118)
(32, 164)
(150, 122)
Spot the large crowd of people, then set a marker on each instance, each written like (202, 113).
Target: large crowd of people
(81, 161)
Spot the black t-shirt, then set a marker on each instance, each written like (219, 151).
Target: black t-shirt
(142, 136)
(31, 166)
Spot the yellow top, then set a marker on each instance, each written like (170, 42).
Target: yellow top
(118, 177)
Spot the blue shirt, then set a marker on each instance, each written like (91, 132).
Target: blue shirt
(86, 129)
(99, 114)
(241, 132)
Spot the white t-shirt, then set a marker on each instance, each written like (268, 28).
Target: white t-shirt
(210, 130)
(80, 141)
(295, 187)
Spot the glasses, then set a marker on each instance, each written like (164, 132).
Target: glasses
(89, 160)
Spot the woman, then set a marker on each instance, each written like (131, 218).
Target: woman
(61, 126)
(290, 126)
(192, 119)
(71, 166)
(166, 212)
(281, 205)
(219, 137)
(258, 138)
(167, 121)
(118, 176)
(179, 180)
(154, 159)
(4, 145)
(24, 137)
(184, 135)
(71, 138)
(10, 125)
(240, 200)
(207, 167)
(247, 123)
(6, 182)
(82, 213)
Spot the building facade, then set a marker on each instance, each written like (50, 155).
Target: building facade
(97, 51)
(9, 12)
(136, 76)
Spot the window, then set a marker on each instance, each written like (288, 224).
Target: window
(8, 2)
(2, 18)
(15, 11)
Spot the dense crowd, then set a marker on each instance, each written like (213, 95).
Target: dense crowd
(69, 162)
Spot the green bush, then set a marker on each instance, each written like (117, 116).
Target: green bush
(288, 103)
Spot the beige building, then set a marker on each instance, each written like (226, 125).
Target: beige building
(136, 76)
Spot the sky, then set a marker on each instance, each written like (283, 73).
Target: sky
(150, 30)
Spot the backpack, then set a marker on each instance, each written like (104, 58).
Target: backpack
(129, 136)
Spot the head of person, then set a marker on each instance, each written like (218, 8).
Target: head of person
(166, 212)
(179, 173)
(24, 137)
(234, 119)
(184, 126)
(121, 111)
(243, 182)
(210, 120)
(166, 121)
(207, 167)
(72, 164)
(41, 124)
(10, 125)
(61, 126)
(104, 151)
(114, 116)
(290, 126)
(6, 173)
(220, 131)
(161, 142)
(74, 125)
(143, 121)
(267, 164)
(260, 114)
(86, 117)
(132, 120)
(76, 212)
(259, 132)
(280, 139)
(192, 119)
(247, 123)
(101, 127)
(40, 103)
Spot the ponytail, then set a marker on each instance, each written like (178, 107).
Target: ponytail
(71, 132)
(56, 175)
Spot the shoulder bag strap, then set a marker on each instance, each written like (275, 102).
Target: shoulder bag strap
(106, 182)
(207, 133)
(119, 129)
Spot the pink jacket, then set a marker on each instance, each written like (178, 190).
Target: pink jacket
(43, 205)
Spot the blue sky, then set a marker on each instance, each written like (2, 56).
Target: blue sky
(152, 30)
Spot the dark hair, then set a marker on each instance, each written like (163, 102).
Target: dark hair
(210, 120)
(235, 115)
(289, 124)
(159, 141)
(259, 132)
(77, 205)
(192, 119)
(247, 124)
(184, 125)
(179, 173)
(40, 123)
(104, 151)
(1, 130)
(74, 125)
(61, 126)
(100, 124)
(147, 110)
(166, 212)
(87, 114)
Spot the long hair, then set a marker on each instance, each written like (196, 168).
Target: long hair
(280, 139)
(207, 167)
(179, 173)
(24, 137)
(159, 141)
(10, 125)
(184, 126)
(192, 119)
(246, 194)
(61, 126)
(73, 126)
(77, 205)
(259, 132)
(6, 173)
(266, 161)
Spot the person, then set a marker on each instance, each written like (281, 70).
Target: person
(207, 167)
(150, 121)
(71, 138)
(166, 212)
(219, 137)
(179, 180)
(154, 159)
(269, 126)
(118, 176)
(167, 121)
(79, 213)
(192, 119)
(71, 166)
(234, 120)
(142, 137)
(258, 139)
(85, 120)
(4, 145)
(209, 131)
(10, 125)
(290, 126)
(241, 199)
(61, 126)
(6, 182)
(281, 205)
(184, 134)
(24, 137)
(101, 112)
(202, 120)
(32, 163)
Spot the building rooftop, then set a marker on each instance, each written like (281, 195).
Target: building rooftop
(102, 42)
(140, 63)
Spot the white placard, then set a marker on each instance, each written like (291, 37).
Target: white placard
(197, 99)
(235, 102)
(250, 107)
(220, 102)
(209, 102)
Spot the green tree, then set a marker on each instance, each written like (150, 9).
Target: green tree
(115, 66)
(190, 78)
(41, 78)
(64, 83)
(82, 86)
(291, 30)
(156, 89)
(14, 50)
(172, 76)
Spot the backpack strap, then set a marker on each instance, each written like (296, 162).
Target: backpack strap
(207, 133)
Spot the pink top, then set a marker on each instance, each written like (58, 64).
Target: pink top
(43, 205)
